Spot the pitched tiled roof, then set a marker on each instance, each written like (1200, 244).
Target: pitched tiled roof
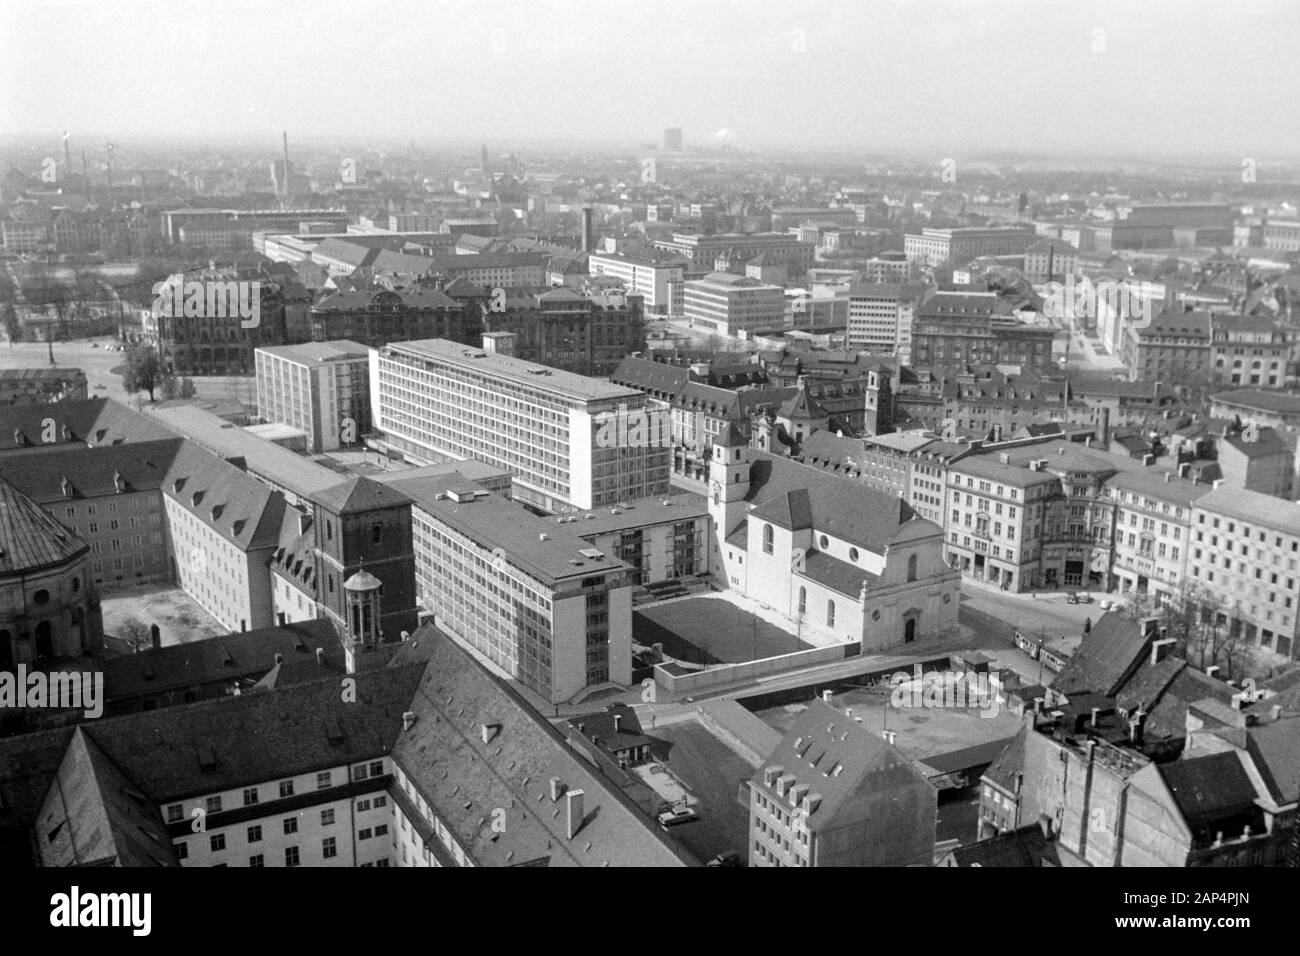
(657, 379)
(224, 658)
(465, 778)
(858, 514)
(91, 472)
(360, 494)
(91, 421)
(1105, 659)
(1027, 846)
(1214, 794)
(1275, 749)
(230, 501)
(29, 538)
(840, 762)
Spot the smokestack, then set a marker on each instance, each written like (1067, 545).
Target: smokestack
(285, 197)
(587, 237)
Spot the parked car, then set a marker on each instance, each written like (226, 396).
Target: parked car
(672, 818)
(730, 858)
(1072, 598)
(1084, 598)
(1105, 604)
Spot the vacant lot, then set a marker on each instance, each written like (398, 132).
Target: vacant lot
(708, 630)
(178, 617)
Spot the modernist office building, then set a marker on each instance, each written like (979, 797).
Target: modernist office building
(318, 388)
(438, 401)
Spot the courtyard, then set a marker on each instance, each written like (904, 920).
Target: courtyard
(711, 630)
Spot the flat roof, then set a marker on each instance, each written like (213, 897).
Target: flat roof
(635, 514)
(543, 377)
(315, 353)
(494, 522)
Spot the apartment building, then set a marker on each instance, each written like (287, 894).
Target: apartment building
(889, 267)
(995, 515)
(649, 278)
(525, 593)
(880, 315)
(439, 401)
(978, 328)
(1244, 565)
(1175, 347)
(320, 388)
(1249, 350)
(935, 247)
(835, 794)
(1153, 524)
(731, 304)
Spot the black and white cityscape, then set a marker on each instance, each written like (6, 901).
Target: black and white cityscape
(650, 434)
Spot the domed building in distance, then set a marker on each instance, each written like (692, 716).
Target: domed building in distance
(48, 606)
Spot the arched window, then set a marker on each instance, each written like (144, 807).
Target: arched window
(803, 600)
(830, 613)
(911, 568)
(767, 539)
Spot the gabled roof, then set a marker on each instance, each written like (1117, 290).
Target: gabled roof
(1275, 749)
(1107, 656)
(1027, 846)
(843, 506)
(29, 538)
(842, 763)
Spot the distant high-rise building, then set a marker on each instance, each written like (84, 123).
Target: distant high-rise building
(673, 140)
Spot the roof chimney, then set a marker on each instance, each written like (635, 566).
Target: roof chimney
(573, 803)
(826, 696)
(618, 719)
(557, 788)
(1160, 649)
(1095, 712)
(320, 657)
(408, 720)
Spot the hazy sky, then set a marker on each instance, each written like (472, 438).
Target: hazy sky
(1052, 75)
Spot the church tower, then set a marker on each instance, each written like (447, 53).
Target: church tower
(879, 403)
(728, 479)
